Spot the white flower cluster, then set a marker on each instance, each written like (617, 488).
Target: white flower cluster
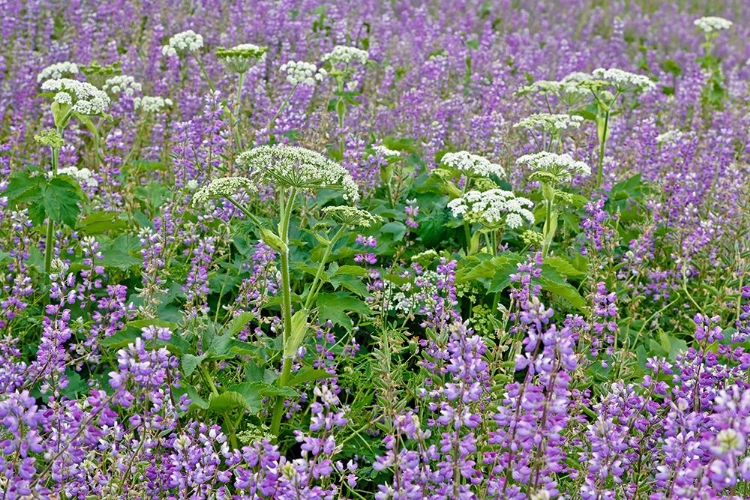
(563, 166)
(385, 151)
(568, 86)
(222, 188)
(711, 24)
(187, 41)
(625, 80)
(302, 73)
(82, 174)
(551, 123)
(122, 84)
(300, 168)
(669, 136)
(352, 216)
(57, 71)
(470, 164)
(241, 58)
(493, 208)
(83, 97)
(346, 55)
(152, 104)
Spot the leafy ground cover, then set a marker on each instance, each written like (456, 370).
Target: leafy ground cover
(396, 250)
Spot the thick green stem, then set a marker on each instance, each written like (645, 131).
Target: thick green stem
(48, 243)
(602, 148)
(286, 306)
(238, 110)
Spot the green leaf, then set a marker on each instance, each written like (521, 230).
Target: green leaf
(60, 199)
(118, 259)
(308, 374)
(22, 187)
(190, 362)
(228, 400)
(297, 337)
(334, 306)
(351, 270)
(563, 266)
(100, 222)
(196, 401)
(240, 322)
(397, 229)
(551, 281)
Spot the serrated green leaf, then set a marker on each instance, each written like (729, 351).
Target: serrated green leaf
(563, 266)
(60, 198)
(334, 306)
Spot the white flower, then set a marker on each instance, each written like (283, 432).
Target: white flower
(122, 84)
(711, 24)
(222, 188)
(302, 73)
(352, 216)
(152, 104)
(192, 185)
(669, 136)
(569, 86)
(385, 151)
(300, 168)
(82, 174)
(187, 41)
(563, 166)
(470, 164)
(241, 58)
(546, 122)
(346, 55)
(493, 208)
(57, 71)
(624, 80)
(83, 97)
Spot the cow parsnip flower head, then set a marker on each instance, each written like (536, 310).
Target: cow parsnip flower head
(299, 168)
(493, 208)
(224, 187)
(352, 216)
(241, 58)
(669, 136)
(568, 88)
(152, 104)
(471, 164)
(182, 43)
(625, 80)
(302, 73)
(346, 55)
(552, 167)
(550, 123)
(82, 97)
(57, 71)
(385, 151)
(711, 24)
(122, 84)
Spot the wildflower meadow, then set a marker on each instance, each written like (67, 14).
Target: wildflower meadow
(375, 249)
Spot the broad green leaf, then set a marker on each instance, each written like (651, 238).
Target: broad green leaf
(60, 199)
(308, 374)
(228, 400)
(334, 307)
(563, 266)
(190, 362)
(240, 322)
(551, 281)
(196, 401)
(100, 222)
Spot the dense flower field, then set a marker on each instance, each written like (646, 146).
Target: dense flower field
(448, 249)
